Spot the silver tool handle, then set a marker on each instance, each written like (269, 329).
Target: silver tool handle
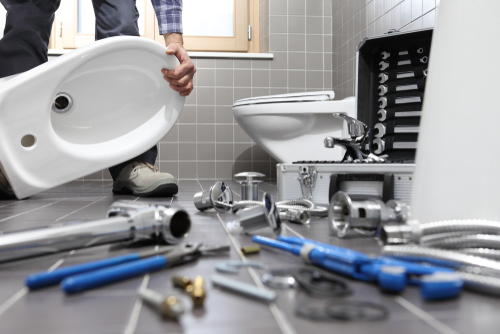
(244, 288)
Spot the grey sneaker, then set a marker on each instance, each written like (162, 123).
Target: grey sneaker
(144, 180)
(5, 189)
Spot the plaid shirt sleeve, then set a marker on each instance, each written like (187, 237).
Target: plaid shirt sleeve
(169, 14)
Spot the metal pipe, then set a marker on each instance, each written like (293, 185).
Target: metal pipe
(127, 221)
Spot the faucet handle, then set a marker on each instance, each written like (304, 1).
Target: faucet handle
(357, 129)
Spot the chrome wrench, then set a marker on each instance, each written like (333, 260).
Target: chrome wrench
(383, 77)
(401, 100)
(380, 145)
(382, 114)
(383, 64)
(383, 89)
(380, 130)
(386, 55)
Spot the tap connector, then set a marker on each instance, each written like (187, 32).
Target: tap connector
(400, 234)
(197, 291)
(218, 197)
(296, 216)
(260, 216)
(364, 216)
(249, 186)
(169, 307)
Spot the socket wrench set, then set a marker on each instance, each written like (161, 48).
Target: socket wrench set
(391, 76)
(380, 153)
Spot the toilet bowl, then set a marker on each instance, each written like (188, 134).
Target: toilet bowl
(292, 127)
(85, 111)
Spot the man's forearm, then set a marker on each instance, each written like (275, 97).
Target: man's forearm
(173, 37)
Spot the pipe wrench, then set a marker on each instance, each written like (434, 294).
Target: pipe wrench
(390, 274)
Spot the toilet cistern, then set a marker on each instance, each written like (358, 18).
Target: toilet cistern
(249, 187)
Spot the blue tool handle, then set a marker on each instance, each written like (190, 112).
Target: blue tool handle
(42, 279)
(117, 273)
(277, 244)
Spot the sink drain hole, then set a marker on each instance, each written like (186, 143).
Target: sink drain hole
(62, 103)
(28, 141)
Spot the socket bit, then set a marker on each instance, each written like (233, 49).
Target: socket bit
(181, 281)
(169, 307)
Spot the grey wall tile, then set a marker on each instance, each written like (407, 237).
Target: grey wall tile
(297, 60)
(224, 96)
(169, 167)
(296, 42)
(258, 154)
(205, 133)
(187, 151)
(314, 61)
(240, 136)
(242, 93)
(242, 78)
(205, 77)
(224, 170)
(242, 63)
(313, 25)
(224, 114)
(279, 24)
(187, 170)
(278, 42)
(260, 78)
(314, 8)
(314, 79)
(314, 43)
(296, 7)
(278, 91)
(224, 78)
(262, 167)
(224, 63)
(280, 60)
(205, 151)
(172, 135)
(260, 92)
(187, 132)
(191, 98)
(243, 151)
(297, 79)
(240, 167)
(188, 114)
(224, 151)
(296, 24)
(206, 96)
(205, 114)
(206, 170)
(262, 64)
(279, 78)
(169, 152)
(278, 7)
(205, 63)
(224, 133)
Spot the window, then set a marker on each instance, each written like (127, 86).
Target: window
(215, 25)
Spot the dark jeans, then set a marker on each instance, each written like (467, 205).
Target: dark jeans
(27, 32)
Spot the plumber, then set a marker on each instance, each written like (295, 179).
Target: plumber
(25, 45)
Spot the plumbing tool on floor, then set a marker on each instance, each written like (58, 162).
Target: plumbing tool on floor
(233, 267)
(390, 274)
(365, 217)
(178, 255)
(258, 216)
(218, 197)
(249, 187)
(169, 307)
(243, 288)
(127, 221)
(195, 289)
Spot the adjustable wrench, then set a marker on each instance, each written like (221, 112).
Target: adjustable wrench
(383, 77)
(383, 64)
(386, 55)
(400, 100)
(380, 130)
(382, 114)
(383, 89)
(380, 145)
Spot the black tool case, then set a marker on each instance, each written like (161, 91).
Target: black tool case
(391, 74)
(393, 128)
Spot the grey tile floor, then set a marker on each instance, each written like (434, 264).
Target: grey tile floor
(115, 308)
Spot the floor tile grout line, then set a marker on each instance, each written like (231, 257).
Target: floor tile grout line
(6, 205)
(134, 316)
(86, 206)
(44, 206)
(426, 317)
(18, 295)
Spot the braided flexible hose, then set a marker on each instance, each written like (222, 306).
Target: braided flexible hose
(458, 240)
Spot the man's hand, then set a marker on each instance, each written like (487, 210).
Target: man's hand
(181, 79)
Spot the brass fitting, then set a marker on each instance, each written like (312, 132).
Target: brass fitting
(197, 291)
(181, 281)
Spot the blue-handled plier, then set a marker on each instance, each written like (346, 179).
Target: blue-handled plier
(88, 275)
(390, 274)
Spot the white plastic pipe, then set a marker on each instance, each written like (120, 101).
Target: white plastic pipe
(457, 174)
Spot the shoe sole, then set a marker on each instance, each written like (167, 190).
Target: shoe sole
(163, 190)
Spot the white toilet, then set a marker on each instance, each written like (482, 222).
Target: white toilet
(292, 127)
(88, 110)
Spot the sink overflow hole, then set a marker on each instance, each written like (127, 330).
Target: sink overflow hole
(28, 141)
(62, 103)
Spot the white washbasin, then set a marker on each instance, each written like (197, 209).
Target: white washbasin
(121, 107)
